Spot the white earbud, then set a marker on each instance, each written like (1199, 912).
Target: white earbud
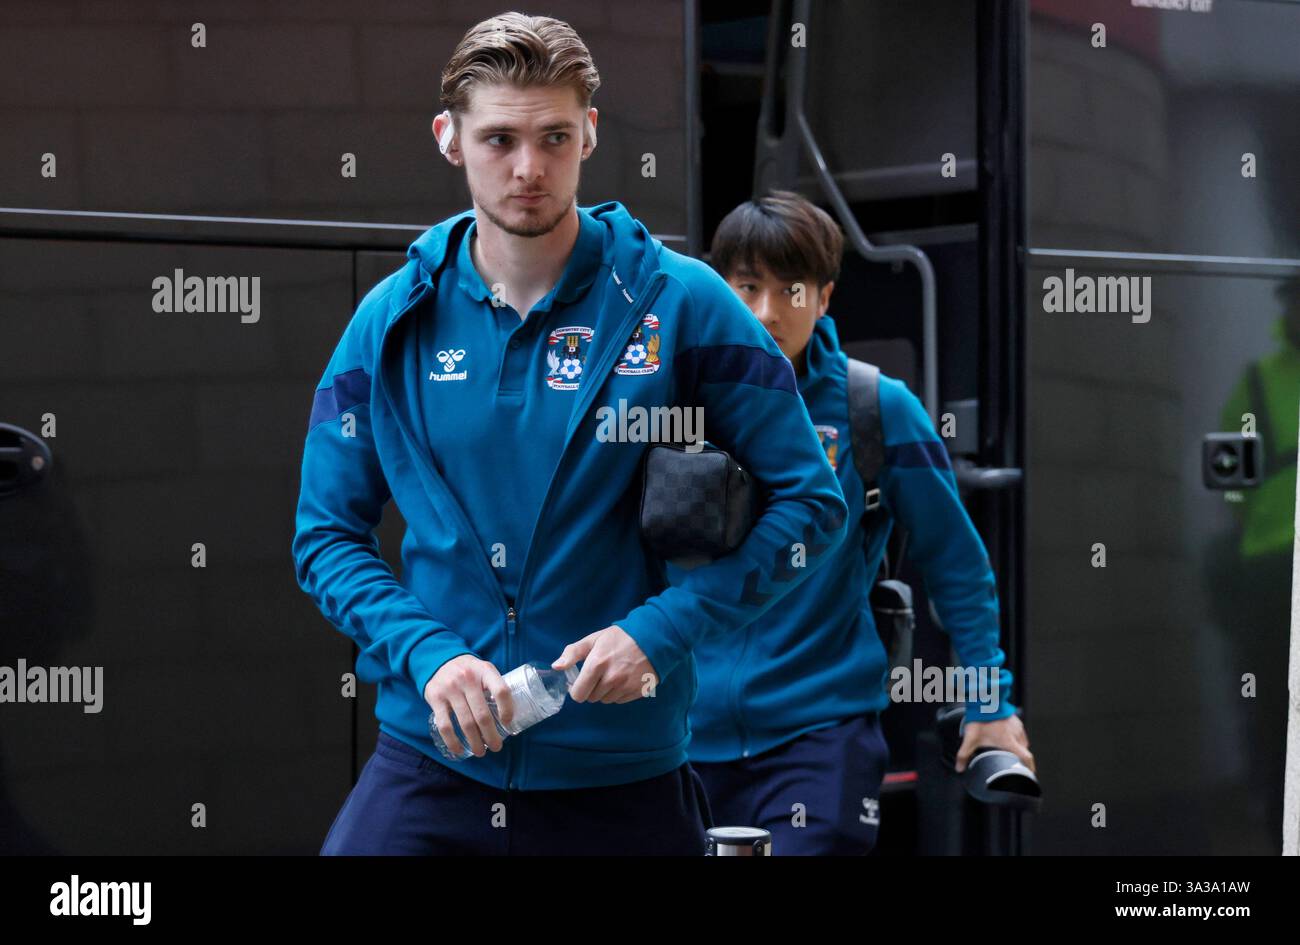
(444, 140)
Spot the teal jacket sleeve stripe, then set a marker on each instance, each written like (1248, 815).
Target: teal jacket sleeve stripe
(335, 551)
(918, 486)
(751, 408)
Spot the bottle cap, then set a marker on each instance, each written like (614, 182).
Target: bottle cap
(739, 841)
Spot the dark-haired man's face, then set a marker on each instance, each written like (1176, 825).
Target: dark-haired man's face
(523, 149)
(787, 309)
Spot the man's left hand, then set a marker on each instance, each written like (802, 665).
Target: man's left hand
(614, 670)
(1008, 733)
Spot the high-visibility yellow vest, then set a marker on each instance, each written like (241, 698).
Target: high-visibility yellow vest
(1270, 389)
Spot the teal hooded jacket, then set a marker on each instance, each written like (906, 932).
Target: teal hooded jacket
(817, 659)
(364, 444)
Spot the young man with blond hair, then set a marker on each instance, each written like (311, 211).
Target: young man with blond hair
(467, 387)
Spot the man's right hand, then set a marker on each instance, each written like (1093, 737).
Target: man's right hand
(457, 689)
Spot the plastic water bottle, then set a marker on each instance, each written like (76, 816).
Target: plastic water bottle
(538, 693)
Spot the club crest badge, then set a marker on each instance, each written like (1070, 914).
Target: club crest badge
(566, 355)
(641, 356)
(830, 440)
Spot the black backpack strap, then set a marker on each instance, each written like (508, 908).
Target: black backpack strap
(898, 545)
(865, 432)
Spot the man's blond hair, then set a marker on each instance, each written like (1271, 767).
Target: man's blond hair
(520, 50)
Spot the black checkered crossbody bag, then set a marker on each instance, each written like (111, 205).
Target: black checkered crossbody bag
(695, 506)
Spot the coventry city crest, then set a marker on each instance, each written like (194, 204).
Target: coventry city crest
(566, 350)
(830, 440)
(641, 356)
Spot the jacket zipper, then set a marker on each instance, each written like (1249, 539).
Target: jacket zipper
(449, 502)
(512, 744)
(585, 396)
(579, 408)
(511, 609)
(735, 695)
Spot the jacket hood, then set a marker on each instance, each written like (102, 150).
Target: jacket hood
(823, 352)
(630, 250)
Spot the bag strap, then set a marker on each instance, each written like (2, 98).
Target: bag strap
(865, 432)
(894, 564)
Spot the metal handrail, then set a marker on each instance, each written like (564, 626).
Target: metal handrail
(795, 117)
(900, 253)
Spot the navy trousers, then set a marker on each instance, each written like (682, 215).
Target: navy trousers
(405, 803)
(818, 795)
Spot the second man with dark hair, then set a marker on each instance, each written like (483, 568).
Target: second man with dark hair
(786, 727)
